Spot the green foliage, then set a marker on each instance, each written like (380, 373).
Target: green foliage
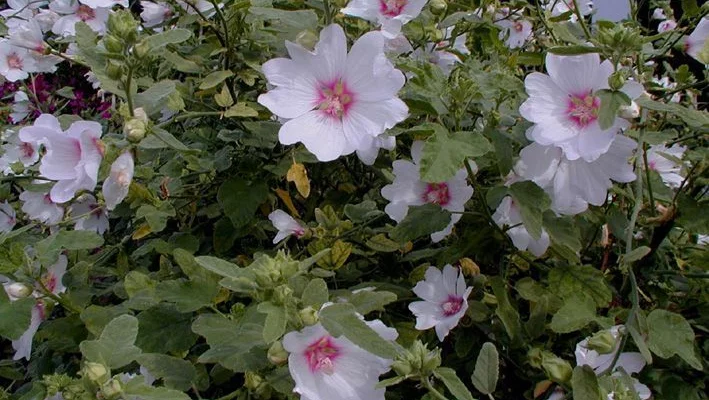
(420, 221)
(115, 347)
(487, 369)
(341, 319)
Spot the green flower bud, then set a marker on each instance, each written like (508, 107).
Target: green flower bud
(282, 294)
(307, 39)
(137, 126)
(252, 380)
(557, 369)
(122, 24)
(277, 354)
(96, 372)
(113, 44)
(114, 70)
(112, 389)
(438, 7)
(401, 367)
(18, 290)
(308, 315)
(141, 49)
(616, 80)
(534, 356)
(431, 361)
(602, 342)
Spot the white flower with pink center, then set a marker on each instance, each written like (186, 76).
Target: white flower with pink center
(574, 184)
(39, 206)
(391, 15)
(16, 150)
(564, 108)
(72, 158)
(666, 25)
(440, 54)
(52, 281)
(72, 12)
(445, 298)
(15, 62)
(667, 161)
(409, 190)
(559, 7)
(286, 226)
(7, 217)
(155, 14)
(115, 187)
(19, 11)
(20, 107)
(89, 215)
(508, 213)
(28, 35)
(334, 102)
(696, 43)
(326, 367)
(515, 31)
(105, 3)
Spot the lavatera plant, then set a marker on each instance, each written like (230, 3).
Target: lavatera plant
(353, 200)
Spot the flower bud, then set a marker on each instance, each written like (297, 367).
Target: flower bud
(114, 70)
(309, 316)
(307, 39)
(252, 380)
(534, 357)
(438, 7)
(469, 267)
(277, 354)
(122, 24)
(616, 80)
(631, 111)
(282, 294)
(401, 367)
(602, 342)
(96, 372)
(113, 44)
(557, 369)
(134, 130)
(141, 49)
(431, 361)
(18, 290)
(112, 389)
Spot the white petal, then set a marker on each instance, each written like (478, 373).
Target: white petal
(321, 134)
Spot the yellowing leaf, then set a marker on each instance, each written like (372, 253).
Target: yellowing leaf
(299, 175)
(285, 197)
(224, 98)
(241, 110)
(143, 231)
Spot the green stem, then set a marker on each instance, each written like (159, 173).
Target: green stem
(190, 114)
(435, 393)
(129, 95)
(649, 184)
(581, 19)
(326, 10)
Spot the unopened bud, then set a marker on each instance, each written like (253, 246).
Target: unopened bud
(134, 130)
(277, 354)
(252, 380)
(469, 267)
(96, 372)
(401, 367)
(18, 290)
(282, 294)
(122, 24)
(431, 361)
(309, 316)
(307, 39)
(114, 70)
(631, 111)
(141, 49)
(113, 44)
(557, 369)
(602, 342)
(438, 7)
(112, 389)
(616, 80)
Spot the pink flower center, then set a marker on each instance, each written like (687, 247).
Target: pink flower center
(299, 232)
(50, 281)
(14, 61)
(335, 99)
(321, 355)
(392, 8)
(48, 199)
(27, 150)
(652, 165)
(583, 109)
(437, 193)
(452, 306)
(122, 178)
(100, 147)
(518, 26)
(85, 13)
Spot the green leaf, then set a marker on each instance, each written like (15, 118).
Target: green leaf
(219, 266)
(366, 301)
(240, 199)
(671, 334)
(341, 319)
(690, 8)
(163, 329)
(390, 382)
(636, 254)
(420, 221)
(569, 280)
(240, 110)
(585, 384)
(169, 36)
(363, 211)
(115, 347)
(443, 154)
(563, 232)
(175, 372)
(611, 101)
(453, 383)
(48, 249)
(692, 117)
(14, 316)
(577, 312)
(12, 256)
(532, 202)
(154, 99)
(236, 345)
(275, 325)
(161, 139)
(156, 217)
(382, 244)
(487, 369)
(180, 63)
(137, 389)
(315, 294)
(214, 79)
(505, 311)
